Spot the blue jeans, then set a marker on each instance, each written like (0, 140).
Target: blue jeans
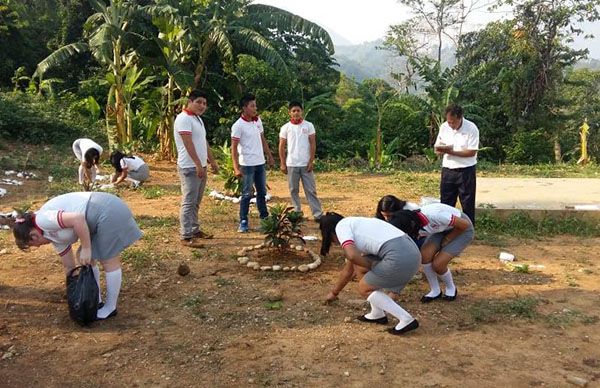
(254, 176)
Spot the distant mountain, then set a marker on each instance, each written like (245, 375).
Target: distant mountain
(363, 60)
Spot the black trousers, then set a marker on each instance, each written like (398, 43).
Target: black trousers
(459, 183)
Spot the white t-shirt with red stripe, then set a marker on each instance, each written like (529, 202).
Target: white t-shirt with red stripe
(367, 234)
(187, 123)
(298, 144)
(439, 218)
(250, 146)
(49, 219)
(131, 163)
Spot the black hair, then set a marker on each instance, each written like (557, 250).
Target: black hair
(22, 229)
(115, 160)
(91, 157)
(246, 98)
(327, 225)
(407, 221)
(196, 94)
(294, 104)
(388, 204)
(454, 110)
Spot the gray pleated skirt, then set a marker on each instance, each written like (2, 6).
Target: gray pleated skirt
(111, 224)
(456, 246)
(399, 261)
(141, 174)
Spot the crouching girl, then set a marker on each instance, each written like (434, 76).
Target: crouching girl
(129, 168)
(448, 232)
(101, 222)
(390, 257)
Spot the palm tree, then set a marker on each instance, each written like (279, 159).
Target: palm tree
(111, 42)
(237, 26)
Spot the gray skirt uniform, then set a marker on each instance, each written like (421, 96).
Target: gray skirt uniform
(141, 174)
(456, 246)
(396, 263)
(111, 224)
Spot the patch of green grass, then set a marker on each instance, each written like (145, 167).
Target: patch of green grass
(222, 282)
(152, 192)
(521, 225)
(276, 305)
(487, 311)
(549, 170)
(567, 317)
(145, 222)
(194, 303)
(139, 258)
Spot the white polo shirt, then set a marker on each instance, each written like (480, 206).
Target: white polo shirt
(132, 163)
(464, 138)
(49, 219)
(189, 123)
(367, 234)
(250, 147)
(298, 145)
(438, 217)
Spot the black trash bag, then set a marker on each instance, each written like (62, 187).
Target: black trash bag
(82, 295)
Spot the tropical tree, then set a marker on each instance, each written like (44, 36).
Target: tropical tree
(112, 42)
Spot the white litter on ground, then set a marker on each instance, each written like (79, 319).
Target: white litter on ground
(12, 182)
(20, 174)
(220, 196)
(102, 177)
(3, 192)
(310, 238)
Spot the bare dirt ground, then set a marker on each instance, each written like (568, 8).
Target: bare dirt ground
(216, 326)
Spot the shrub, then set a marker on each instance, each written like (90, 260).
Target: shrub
(36, 119)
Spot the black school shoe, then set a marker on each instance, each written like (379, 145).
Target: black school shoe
(113, 314)
(427, 299)
(450, 298)
(411, 326)
(380, 321)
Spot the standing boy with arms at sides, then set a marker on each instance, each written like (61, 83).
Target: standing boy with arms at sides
(193, 154)
(248, 148)
(458, 141)
(301, 140)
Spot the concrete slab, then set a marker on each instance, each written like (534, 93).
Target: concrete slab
(582, 194)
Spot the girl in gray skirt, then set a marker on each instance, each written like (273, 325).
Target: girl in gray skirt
(101, 222)
(389, 256)
(130, 168)
(447, 231)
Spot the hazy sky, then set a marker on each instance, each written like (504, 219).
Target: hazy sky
(362, 21)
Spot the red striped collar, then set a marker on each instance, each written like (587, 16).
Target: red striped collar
(189, 112)
(296, 122)
(35, 225)
(255, 118)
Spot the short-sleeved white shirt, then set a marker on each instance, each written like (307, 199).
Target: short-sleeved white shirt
(81, 146)
(188, 123)
(250, 147)
(49, 219)
(132, 163)
(439, 218)
(367, 234)
(464, 138)
(298, 145)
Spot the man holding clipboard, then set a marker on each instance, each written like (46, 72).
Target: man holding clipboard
(458, 142)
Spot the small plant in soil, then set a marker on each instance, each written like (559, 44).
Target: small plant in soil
(282, 226)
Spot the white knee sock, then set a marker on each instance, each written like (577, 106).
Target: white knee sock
(432, 279)
(450, 287)
(375, 313)
(383, 302)
(81, 174)
(96, 271)
(113, 287)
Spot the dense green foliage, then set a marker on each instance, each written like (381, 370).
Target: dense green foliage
(123, 66)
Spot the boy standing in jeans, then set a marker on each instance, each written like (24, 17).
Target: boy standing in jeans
(248, 148)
